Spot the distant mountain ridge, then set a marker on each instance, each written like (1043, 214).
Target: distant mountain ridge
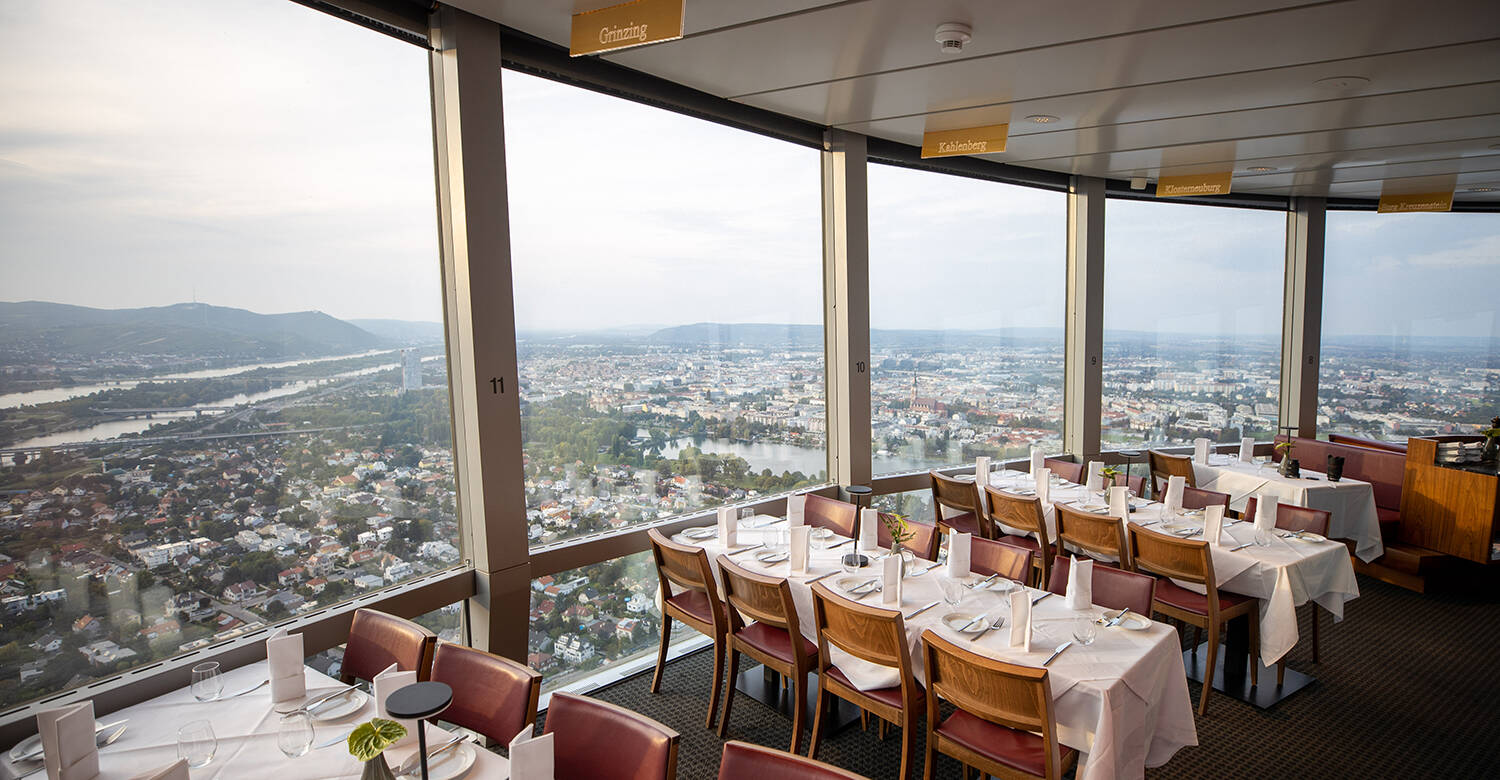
(183, 329)
(403, 331)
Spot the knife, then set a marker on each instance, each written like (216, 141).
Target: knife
(840, 544)
(984, 582)
(411, 764)
(1038, 599)
(747, 549)
(332, 742)
(251, 689)
(821, 577)
(920, 611)
(1058, 651)
(1241, 547)
(308, 707)
(99, 729)
(1115, 621)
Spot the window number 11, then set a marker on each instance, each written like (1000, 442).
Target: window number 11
(497, 385)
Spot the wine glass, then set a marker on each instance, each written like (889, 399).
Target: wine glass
(207, 684)
(196, 743)
(294, 734)
(1084, 631)
(953, 591)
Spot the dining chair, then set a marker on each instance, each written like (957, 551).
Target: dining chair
(744, 761)
(870, 634)
(1067, 469)
(837, 516)
(378, 639)
(1187, 560)
(988, 556)
(602, 741)
(494, 696)
(1198, 498)
(774, 637)
(1002, 721)
(1023, 513)
(1136, 485)
(955, 504)
(1100, 536)
(696, 604)
(1111, 588)
(923, 543)
(1164, 465)
(1298, 518)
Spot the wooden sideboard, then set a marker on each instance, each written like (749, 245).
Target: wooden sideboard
(1447, 509)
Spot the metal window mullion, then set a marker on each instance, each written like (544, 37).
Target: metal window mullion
(1083, 346)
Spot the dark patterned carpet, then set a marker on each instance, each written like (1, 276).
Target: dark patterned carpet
(1408, 687)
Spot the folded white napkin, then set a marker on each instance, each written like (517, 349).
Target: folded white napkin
(1213, 524)
(386, 683)
(1095, 481)
(982, 471)
(1119, 502)
(796, 511)
(869, 529)
(1200, 450)
(1038, 460)
(176, 771)
(799, 543)
(1081, 584)
(284, 657)
(531, 758)
(1043, 484)
(1175, 485)
(728, 525)
(68, 748)
(1247, 450)
(1266, 507)
(959, 547)
(1020, 619)
(890, 580)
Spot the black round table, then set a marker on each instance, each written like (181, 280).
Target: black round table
(418, 702)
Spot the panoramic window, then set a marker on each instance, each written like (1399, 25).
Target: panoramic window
(967, 280)
(1192, 323)
(223, 391)
(1411, 340)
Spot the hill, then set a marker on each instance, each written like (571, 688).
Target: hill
(403, 331)
(184, 329)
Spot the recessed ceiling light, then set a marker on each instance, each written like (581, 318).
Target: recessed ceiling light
(1260, 169)
(1041, 119)
(1480, 189)
(1342, 82)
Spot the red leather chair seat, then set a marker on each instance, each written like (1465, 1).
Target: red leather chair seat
(694, 603)
(890, 696)
(965, 523)
(1169, 592)
(773, 641)
(1020, 750)
(1023, 542)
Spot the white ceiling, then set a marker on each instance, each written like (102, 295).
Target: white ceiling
(1141, 87)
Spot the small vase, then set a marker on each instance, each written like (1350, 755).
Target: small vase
(377, 769)
(1285, 469)
(906, 556)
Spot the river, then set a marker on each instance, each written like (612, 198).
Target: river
(32, 397)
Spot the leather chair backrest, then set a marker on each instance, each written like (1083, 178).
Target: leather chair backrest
(377, 640)
(494, 696)
(600, 741)
(924, 542)
(1067, 469)
(987, 556)
(1296, 518)
(743, 761)
(1198, 498)
(1112, 588)
(1383, 469)
(831, 513)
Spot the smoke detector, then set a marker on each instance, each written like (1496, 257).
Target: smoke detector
(952, 36)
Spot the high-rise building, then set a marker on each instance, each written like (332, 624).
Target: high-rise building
(411, 370)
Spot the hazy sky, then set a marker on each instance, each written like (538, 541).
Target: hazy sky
(258, 154)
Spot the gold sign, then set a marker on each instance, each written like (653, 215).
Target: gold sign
(625, 25)
(1194, 184)
(974, 140)
(1419, 201)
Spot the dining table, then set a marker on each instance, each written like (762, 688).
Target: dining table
(1350, 502)
(1121, 701)
(245, 727)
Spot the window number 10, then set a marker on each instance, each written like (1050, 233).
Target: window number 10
(497, 385)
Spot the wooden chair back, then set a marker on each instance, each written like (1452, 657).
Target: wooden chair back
(870, 633)
(1010, 695)
(759, 597)
(1097, 534)
(1296, 518)
(959, 496)
(686, 567)
(987, 556)
(1164, 465)
(1170, 556)
(924, 541)
(1067, 469)
(837, 516)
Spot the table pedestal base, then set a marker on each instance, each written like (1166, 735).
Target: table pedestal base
(764, 685)
(1237, 683)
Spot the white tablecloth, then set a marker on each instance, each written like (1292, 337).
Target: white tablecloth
(1351, 501)
(1123, 701)
(246, 730)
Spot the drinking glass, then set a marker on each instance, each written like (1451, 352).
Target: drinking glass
(197, 744)
(294, 735)
(953, 591)
(1262, 538)
(207, 684)
(779, 540)
(1084, 631)
(746, 515)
